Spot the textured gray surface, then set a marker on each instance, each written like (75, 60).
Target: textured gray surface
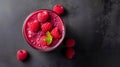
(95, 24)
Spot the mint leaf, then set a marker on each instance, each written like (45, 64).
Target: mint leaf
(49, 38)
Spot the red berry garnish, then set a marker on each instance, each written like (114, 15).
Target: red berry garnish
(46, 27)
(22, 55)
(42, 40)
(58, 9)
(34, 26)
(70, 42)
(43, 16)
(55, 33)
(70, 53)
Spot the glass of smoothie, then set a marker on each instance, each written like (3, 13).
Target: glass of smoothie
(44, 30)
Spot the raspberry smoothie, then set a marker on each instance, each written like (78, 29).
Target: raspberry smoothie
(44, 30)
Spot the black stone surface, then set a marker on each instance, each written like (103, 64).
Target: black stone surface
(94, 24)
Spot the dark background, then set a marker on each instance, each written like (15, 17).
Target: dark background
(94, 24)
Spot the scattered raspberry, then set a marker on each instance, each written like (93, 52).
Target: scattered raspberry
(55, 33)
(58, 9)
(70, 53)
(42, 40)
(43, 16)
(22, 55)
(34, 26)
(70, 42)
(46, 27)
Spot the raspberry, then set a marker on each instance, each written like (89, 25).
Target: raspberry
(58, 9)
(55, 33)
(43, 16)
(46, 26)
(34, 26)
(42, 40)
(70, 53)
(70, 42)
(22, 55)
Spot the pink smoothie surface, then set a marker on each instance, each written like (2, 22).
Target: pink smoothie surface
(33, 37)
